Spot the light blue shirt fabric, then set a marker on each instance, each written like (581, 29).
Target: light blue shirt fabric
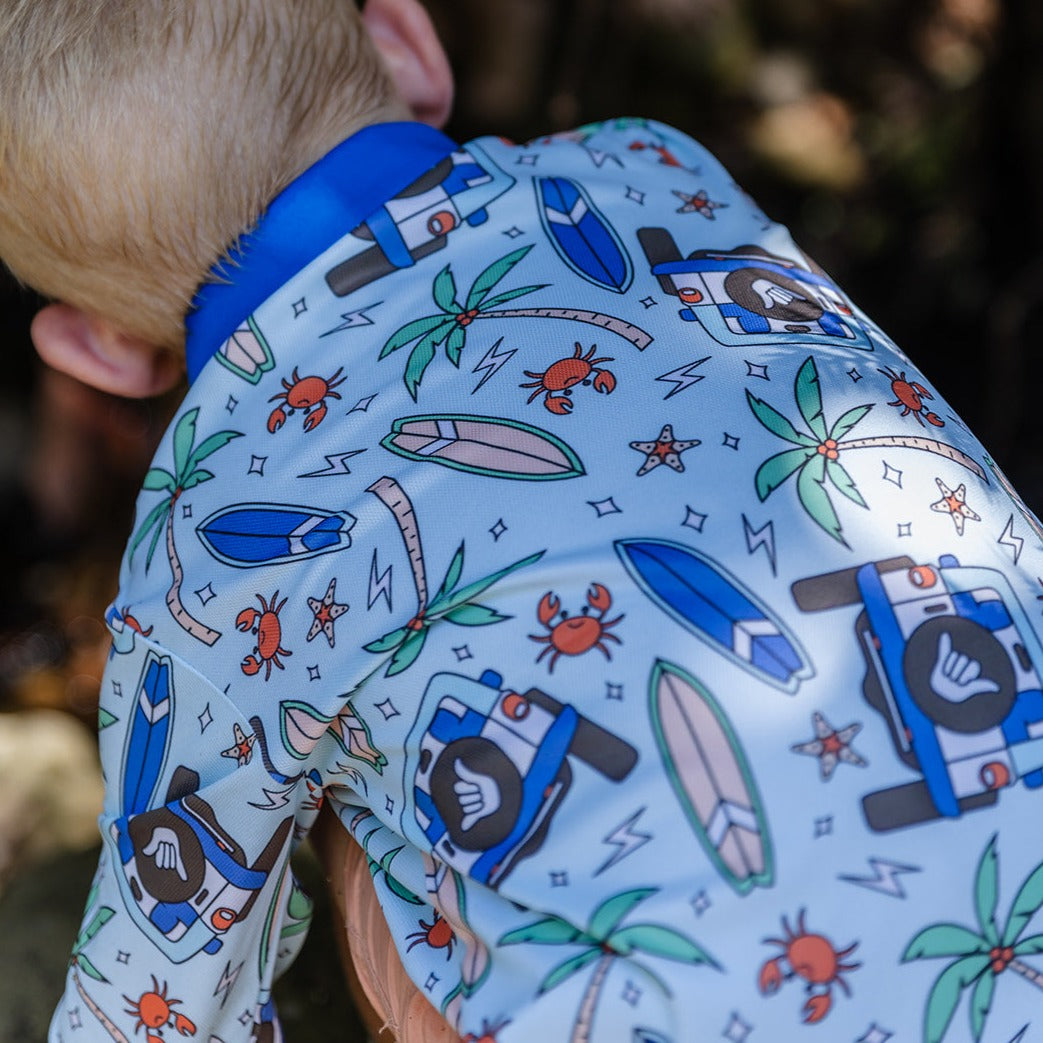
(668, 643)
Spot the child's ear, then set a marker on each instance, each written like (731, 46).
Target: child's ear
(413, 54)
(94, 352)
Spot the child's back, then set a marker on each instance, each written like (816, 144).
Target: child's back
(658, 632)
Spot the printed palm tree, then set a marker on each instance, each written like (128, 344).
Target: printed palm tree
(603, 940)
(450, 325)
(187, 474)
(88, 930)
(80, 961)
(449, 603)
(816, 458)
(982, 955)
(383, 866)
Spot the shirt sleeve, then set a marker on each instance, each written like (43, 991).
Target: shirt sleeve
(193, 909)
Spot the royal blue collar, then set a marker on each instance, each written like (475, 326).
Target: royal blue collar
(324, 204)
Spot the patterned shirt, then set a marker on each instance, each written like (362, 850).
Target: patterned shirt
(664, 638)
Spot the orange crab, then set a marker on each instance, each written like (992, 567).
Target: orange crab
(437, 934)
(306, 393)
(265, 624)
(566, 374)
(576, 634)
(909, 395)
(813, 958)
(153, 1011)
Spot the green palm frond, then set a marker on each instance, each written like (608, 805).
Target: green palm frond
(208, 447)
(846, 421)
(945, 939)
(653, 940)
(844, 483)
(808, 394)
(1026, 904)
(568, 967)
(777, 469)
(777, 424)
(159, 480)
(981, 1002)
(814, 498)
(417, 328)
(444, 292)
(551, 930)
(613, 910)
(153, 520)
(491, 276)
(986, 892)
(945, 994)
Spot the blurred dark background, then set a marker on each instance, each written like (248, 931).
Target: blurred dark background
(900, 140)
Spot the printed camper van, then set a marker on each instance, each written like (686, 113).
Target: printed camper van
(954, 668)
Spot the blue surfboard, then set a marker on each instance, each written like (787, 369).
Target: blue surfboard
(581, 234)
(249, 534)
(709, 602)
(146, 748)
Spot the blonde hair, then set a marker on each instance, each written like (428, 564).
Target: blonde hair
(140, 138)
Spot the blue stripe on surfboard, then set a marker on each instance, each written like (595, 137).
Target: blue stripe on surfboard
(712, 605)
(582, 236)
(248, 535)
(147, 742)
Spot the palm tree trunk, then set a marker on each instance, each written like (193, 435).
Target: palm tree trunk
(1030, 974)
(97, 1011)
(393, 496)
(181, 614)
(929, 445)
(637, 336)
(585, 1018)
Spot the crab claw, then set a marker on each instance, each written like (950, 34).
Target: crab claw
(921, 390)
(183, 1025)
(934, 418)
(276, 419)
(314, 418)
(817, 1008)
(548, 608)
(558, 404)
(770, 979)
(598, 597)
(250, 665)
(151, 1038)
(604, 382)
(246, 619)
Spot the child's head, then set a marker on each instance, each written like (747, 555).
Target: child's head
(140, 138)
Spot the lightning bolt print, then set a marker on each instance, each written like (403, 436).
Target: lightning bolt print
(1008, 539)
(625, 839)
(379, 586)
(354, 319)
(492, 361)
(884, 878)
(337, 464)
(762, 537)
(276, 798)
(228, 979)
(683, 377)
